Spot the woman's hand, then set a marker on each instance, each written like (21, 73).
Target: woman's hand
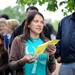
(28, 58)
(51, 49)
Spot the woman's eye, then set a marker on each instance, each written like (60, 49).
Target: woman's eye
(35, 20)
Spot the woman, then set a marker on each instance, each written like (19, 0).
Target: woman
(22, 58)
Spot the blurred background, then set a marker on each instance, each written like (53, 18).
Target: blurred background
(53, 10)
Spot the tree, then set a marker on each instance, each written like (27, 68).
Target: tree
(15, 12)
(52, 4)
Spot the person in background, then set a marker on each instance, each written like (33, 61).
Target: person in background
(66, 47)
(22, 57)
(5, 16)
(49, 31)
(3, 57)
(4, 30)
(3, 26)
(12, 24)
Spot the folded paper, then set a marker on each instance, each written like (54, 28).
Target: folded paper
(41, 48)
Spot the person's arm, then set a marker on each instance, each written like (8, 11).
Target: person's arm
(51, 64)
(14, 56)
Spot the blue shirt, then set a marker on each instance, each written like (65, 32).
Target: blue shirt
(39, 66)
(6, 40)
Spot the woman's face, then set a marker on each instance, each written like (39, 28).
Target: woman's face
(36, 25)
(4, 28)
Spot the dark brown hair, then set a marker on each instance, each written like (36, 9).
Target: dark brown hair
(32, 8)
(28, 21)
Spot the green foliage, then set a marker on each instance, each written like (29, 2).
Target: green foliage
(70, 6)
(52, 4)
(41, 2)
(14, 13)
(55, 24)
(28, 2)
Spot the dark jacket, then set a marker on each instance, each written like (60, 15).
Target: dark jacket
(66, 35)
(49, 30)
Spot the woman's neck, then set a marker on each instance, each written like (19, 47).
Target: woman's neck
(33, 35)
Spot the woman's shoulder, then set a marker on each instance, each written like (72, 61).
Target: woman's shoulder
(19, 39)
